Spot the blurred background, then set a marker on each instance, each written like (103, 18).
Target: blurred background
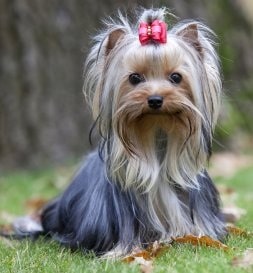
(43, 44)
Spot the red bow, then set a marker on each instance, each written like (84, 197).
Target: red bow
(157, 32)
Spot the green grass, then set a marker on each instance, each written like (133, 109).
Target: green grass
(47, 256)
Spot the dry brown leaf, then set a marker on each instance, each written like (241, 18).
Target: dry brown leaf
(244, 261)
(145, 257)
(227, 164)
(146, 267)
(152, 251)
(6, 229)
(35, 204)
(142, 258)
(232, 214)
(225, 190)
(238, 231)
(200, 241)
(144, 254)
(157, 248)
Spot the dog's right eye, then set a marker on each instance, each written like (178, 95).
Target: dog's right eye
(175, 78)
(136, 78)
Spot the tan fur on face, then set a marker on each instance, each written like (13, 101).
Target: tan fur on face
(134, 119)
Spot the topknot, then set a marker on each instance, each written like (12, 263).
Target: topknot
(151, 15)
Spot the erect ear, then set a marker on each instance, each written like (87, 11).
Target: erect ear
(114, 37)
(190, 35)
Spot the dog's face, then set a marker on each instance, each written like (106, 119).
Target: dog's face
(159, 89)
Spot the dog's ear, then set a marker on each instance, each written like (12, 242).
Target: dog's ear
(191, 36)
(114, 37)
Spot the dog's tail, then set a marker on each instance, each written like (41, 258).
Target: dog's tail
(25, 227)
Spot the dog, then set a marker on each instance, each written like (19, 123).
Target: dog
(155, 95)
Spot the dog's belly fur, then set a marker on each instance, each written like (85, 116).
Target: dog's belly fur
(95, 214)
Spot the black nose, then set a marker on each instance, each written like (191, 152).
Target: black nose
(155, 102)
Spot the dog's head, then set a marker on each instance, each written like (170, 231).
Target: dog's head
(143, 92)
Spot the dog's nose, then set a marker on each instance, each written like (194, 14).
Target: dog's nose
(155, 102)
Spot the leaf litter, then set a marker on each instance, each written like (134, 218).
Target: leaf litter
(227, 164)
(245, 260)
(145, 257)
(201, 241)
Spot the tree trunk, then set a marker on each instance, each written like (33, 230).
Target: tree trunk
(43, 117)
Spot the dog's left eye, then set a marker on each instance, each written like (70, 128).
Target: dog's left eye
(175, 78)
(136, 78)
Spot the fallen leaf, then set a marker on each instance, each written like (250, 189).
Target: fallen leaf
(6, 229)
(225, 190)
(144, 254)
(152, 251)
(200, 241)
(158, 248)
(244, 261)
(145, 266)
(142, 258)
(35, 204)
(227, 164)
(232, 214)
(238, 231)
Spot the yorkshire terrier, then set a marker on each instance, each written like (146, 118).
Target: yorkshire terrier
(155, 96)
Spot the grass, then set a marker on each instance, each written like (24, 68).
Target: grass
(47, 256)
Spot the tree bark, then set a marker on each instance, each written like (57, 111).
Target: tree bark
(43, 117)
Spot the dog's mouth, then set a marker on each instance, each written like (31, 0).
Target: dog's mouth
(161, 112)
(138, 128)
